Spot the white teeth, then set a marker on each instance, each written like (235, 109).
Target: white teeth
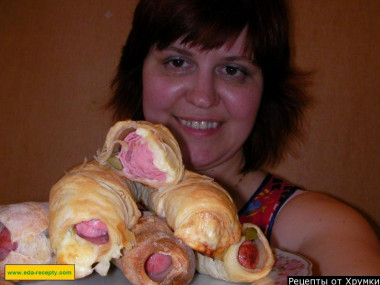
(199, 125)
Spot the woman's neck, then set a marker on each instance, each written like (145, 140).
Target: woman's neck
(227, 172)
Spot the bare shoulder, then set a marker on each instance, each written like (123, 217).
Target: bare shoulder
(333, 235)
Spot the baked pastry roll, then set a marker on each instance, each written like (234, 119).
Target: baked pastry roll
(246, 261)
(143, 152)
(23, 234)
(91, 212)
(158, 257)
(200, 211)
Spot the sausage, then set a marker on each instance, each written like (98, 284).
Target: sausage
(158, 266)
(248, 255)
(6, 245)
(94, 231)
(138, 159)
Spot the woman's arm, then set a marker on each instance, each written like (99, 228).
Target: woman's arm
(336, 238)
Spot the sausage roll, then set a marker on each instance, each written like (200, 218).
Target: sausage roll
(246, 261)
(143, 152)
(91, 212)
(23, 234)
(158, 257)
(200, 211)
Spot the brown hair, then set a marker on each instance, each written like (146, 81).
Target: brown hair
(210, 24)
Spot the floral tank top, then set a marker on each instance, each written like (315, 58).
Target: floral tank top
(262, 208)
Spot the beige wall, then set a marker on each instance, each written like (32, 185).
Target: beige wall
(58, 57)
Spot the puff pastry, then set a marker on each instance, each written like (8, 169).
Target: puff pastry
(230, 269)
(23, 234)
(158, 257)
(91, 212)
(200, 211)
(143, 152)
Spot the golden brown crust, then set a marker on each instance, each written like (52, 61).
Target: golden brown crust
(200, 211)
(87, 192)
(161, 142)
(229, 268)
(154, 236)
(27, 223)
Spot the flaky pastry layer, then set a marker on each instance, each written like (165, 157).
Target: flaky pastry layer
(27, 223)
(154, 236)
(161, 142)
(229, 268)
(200, 211)
(85, 193)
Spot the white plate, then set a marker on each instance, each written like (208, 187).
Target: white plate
(287, 264)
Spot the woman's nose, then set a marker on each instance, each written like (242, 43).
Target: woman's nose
(202, 92)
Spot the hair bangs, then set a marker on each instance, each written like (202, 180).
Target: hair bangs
(204, 26)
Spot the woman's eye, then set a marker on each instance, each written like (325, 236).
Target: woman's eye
(177, 65)
(230, 70)
(177, 62)
(234, 73)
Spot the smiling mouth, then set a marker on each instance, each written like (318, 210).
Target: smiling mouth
(200, 125)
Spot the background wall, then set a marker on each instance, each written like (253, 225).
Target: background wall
(58, 57)
(340, 42)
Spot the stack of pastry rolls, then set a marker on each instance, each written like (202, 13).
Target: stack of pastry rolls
(200, 212)
(146, 153)
(94, 217)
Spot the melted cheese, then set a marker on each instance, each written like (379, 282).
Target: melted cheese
(75, 250)
(82, 253)
(160, 160)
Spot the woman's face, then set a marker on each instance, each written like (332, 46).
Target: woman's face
(208, 99)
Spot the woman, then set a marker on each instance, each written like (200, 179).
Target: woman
(217, 73)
